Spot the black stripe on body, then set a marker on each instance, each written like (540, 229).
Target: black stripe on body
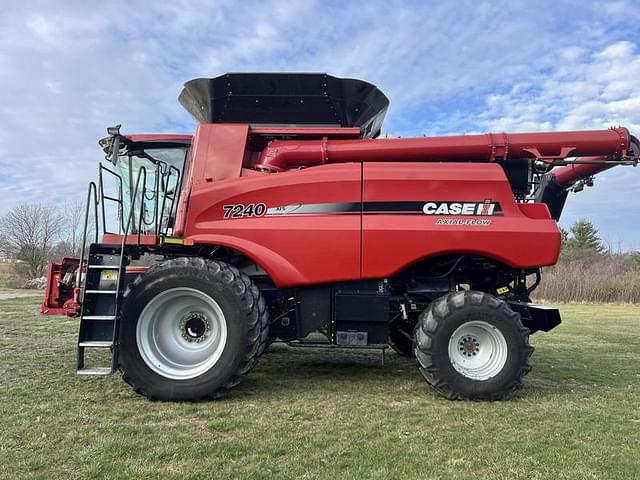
(368, 208)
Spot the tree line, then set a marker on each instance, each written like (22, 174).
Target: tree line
(590, 271)
(583, 240)
(36, 233)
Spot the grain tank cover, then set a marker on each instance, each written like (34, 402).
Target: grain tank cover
(291, 99)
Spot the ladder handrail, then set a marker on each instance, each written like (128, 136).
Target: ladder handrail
(92, 188)
(103, 197)
(167, 177)
(142, 173)
(154, 196)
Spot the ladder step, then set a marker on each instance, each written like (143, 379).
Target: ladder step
(110, 292)
(105, 267)
(96, 344)
(99, 317)
(95, 371)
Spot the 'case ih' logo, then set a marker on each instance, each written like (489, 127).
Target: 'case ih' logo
(484, 209)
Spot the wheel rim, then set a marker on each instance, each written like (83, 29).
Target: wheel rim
(478, 350)
(181, 333)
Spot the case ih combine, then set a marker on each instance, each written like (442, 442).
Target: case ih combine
(284, 218)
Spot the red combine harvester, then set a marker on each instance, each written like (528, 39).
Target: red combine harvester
(284, 219)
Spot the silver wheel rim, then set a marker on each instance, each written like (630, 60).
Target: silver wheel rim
(181, 333)
(478, 350)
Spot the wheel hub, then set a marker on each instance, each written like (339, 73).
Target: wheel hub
(181, 333)
(478, 350)
(195, 327)
(469, 346)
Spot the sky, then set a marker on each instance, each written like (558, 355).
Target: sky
(70, 69)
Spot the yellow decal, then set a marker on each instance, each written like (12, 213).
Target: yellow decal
(109, 275)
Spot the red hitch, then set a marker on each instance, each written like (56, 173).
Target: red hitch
(61, 294)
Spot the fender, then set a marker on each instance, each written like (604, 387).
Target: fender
(280, 270)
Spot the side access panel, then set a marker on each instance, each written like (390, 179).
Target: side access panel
(414, 211)
(352, 314)
(361, 313)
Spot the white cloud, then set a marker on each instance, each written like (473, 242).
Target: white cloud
(594, 91)
(42, 28)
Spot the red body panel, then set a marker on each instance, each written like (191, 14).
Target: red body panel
(393, 242)
(320, 204)
(217, 153)
(116, 239)
(293, 250)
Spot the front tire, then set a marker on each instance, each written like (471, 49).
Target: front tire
(190, 330)
(471, 346)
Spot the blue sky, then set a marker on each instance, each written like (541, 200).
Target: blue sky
(69, 69)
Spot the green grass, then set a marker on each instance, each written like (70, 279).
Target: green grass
(320, 414)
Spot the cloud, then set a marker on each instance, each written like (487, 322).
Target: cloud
(583, 91)
(68, 70)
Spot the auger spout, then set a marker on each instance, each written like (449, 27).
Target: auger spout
(548, 147)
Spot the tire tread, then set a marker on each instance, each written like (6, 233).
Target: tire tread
(434, 317)
(255, 311)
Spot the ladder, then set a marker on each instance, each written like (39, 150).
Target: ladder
(99, 316)
(102, 277)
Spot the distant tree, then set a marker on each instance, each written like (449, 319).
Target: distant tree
(60, 250)
(5, 248)
(73, 225)
(583, 237)
(29, 232)
(586, 236)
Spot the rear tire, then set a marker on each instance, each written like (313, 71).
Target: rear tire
(190, 330)
(471, 346)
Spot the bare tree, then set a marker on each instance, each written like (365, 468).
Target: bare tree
(74, 224)
(5, 249)
(70, 239)
(29, 232)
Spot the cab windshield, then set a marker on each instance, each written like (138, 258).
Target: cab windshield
(151, 204)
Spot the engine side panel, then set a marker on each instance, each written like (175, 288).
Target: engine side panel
(433, 221)
(293, 244)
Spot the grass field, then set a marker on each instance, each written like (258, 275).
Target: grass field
(326, 415)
